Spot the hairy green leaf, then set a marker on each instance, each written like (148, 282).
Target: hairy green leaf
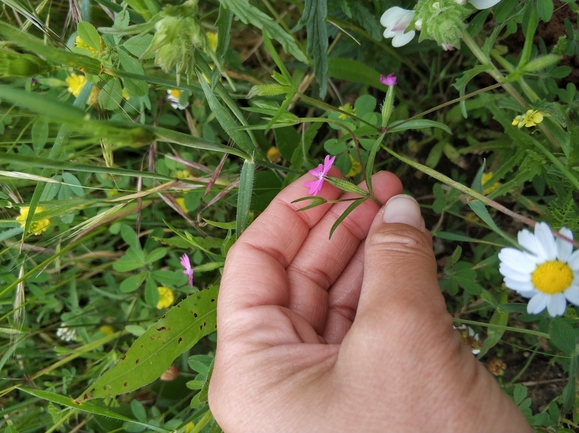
(154, 351)
(314, 16)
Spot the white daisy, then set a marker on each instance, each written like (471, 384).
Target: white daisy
(547, 271)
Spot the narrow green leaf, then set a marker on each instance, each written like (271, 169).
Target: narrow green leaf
(532, 19)
(244, 196)
(314, 16)
(88, 407)
(355, 72)
(482, 212)
(223, 24)
(404, 125)
(370, 163)
(462, 82)
(153, 352)
(39, 134)
(61, 56)
(249, 14)
(225, 119)
(345, 185)
(221, 225)
(347, 212)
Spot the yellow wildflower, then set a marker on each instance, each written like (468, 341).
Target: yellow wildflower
(355, 169)
(484, 179)
(212, 38)
(529, 119)
(107, 330)
(37, 227)
(181, 202)
(75, 84)
(78, 42)
(166, 297)
(348, 109)
(273, 155)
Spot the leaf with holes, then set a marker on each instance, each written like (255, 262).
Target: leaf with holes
(154, 351)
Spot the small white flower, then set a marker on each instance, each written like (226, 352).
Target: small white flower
(396, 20)
(483, 4)
(174, 96)
(66, 334)
(468, 337)
(547, 271)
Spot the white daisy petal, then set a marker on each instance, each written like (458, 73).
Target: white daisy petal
(528, 294)
(564, 248)
(572, 294)
(529, 243)
(537, 303)
(519, 286)
(573, 261)
(508, 272)
(546, 239)
(556, 305)
(516, 259)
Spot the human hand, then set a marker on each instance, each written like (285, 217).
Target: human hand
(348, 334)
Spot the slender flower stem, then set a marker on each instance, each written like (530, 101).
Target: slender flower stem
(471, 192)
(498, 76)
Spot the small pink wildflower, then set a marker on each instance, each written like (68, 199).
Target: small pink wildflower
(316, 185)
(390, 80)
(188, 270)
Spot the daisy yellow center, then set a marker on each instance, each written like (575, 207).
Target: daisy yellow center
(552, 277)
(176, 93)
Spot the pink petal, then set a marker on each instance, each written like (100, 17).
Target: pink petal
(185, 262)
(314, 186)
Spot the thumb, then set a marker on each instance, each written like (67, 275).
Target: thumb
(400, 279)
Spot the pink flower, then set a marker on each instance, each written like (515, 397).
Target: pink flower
(390, 80)
(188, 270)
(316, 185)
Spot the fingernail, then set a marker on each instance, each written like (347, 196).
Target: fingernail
(403, 209)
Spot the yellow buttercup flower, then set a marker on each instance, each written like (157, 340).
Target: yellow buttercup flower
(75, 84)
(484, 179)
(212, 38)
(355, 169)
(347, 107)
(166, 297)
(37, 227)
(273, 155)
(529, 119)
(107, 330)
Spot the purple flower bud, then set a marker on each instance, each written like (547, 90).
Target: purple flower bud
(390, 80)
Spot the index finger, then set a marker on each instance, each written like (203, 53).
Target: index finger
(268, 246)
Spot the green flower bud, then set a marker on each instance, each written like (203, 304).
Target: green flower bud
(442, 21)
(178, 34)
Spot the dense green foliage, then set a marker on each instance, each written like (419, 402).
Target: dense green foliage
(138, 131)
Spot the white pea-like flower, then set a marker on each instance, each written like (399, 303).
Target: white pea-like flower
(396, 20)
